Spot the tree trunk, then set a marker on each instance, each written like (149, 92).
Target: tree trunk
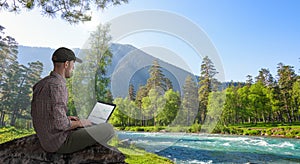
(2, 114)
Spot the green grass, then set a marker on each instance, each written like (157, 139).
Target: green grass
(139, 156)
(135, 155)
(11, 133)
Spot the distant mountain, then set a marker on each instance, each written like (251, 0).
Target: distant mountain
(33, 54)
(129, 66)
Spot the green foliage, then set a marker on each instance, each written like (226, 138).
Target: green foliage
(195, 128)
(73, 11)
(252, 132)
(15, 83)
(10, 133)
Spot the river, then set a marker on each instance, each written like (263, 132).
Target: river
(215, 148)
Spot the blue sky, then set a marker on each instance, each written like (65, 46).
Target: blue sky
(248, 34)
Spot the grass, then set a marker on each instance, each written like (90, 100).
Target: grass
(11, 133)
(137, 155)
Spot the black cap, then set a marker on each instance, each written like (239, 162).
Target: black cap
(63, 54)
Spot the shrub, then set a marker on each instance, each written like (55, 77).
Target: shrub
(252, 132)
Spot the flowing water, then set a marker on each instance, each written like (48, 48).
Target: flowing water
(207, 148)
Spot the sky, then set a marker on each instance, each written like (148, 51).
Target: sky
(248, 35)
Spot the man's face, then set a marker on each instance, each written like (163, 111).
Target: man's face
(69, 68)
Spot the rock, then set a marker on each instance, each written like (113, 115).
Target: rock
(27, 150)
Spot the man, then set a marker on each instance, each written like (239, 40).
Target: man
(56, 131)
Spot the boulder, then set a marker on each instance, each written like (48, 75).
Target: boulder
(27, 150)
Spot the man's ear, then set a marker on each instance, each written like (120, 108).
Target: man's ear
(66, 64)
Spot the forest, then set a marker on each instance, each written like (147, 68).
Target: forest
(202, 100)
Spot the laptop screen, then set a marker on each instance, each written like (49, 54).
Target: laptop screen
(101, 112)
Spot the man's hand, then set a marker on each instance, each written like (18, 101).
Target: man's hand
(73, 118)
(77, 123)
(84, 123)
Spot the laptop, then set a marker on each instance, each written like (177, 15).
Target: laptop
(101, 112)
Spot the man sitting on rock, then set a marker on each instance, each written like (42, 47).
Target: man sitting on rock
(56, 131)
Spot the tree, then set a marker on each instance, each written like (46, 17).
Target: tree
(249, 80)
(118, 118)
(168, 113)
(216, 101)
(153, 104)
(141, 93)
(265, 77)
(73, 11)
(8, 65)
(207, 83)
(231, 106)
(296, 99)
(90, 78)
(286, 78)
(131, 92)
(190, 102)
(99, 42)
(258, 101)
(157, 78)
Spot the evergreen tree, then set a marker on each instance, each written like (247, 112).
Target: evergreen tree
(190, 102)
(265, 77)
(249, 80)
(157, 78)
(169, 84)
(131, 92)
(286, 79)
(206, 84)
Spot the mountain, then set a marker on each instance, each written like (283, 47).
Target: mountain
(32, 54)
(129, 66)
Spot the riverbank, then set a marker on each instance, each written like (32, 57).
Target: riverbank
(259, 129)
(263, 129)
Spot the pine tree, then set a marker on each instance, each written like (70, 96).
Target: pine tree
(190, 102)
(157, 78)
(207, 83)
(131, 92)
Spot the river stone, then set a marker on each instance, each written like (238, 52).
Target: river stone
(27, 150)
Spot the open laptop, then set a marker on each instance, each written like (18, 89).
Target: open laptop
(101, 112)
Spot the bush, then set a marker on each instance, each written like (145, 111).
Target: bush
(195, 128)
(252, 132)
